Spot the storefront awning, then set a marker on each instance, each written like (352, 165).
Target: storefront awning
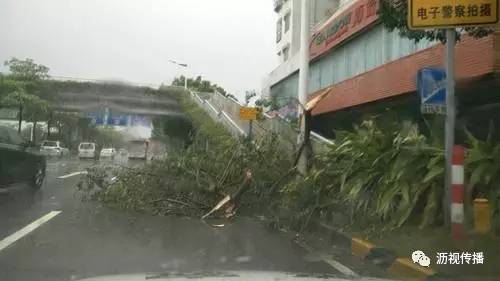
(317, 97)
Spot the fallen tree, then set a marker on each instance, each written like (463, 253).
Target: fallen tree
(192, 181)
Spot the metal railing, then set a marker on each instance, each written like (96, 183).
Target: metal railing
(226, 110)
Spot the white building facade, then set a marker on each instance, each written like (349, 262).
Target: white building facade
(288, 33)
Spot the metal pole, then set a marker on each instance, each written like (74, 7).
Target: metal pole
(185, 82)
(250, 130)
(450, 120)
(303, 77)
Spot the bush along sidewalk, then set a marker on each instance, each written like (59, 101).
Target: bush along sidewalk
(383, 188)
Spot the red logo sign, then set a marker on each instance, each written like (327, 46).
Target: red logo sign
(355, 18)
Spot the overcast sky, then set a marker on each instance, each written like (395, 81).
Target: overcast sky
(230, 42)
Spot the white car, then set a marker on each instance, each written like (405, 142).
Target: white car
(53, 148)
(86, 150)
(108, 153)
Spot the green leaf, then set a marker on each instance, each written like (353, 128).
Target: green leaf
(434, 173)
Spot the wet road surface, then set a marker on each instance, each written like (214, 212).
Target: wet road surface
(86, 239)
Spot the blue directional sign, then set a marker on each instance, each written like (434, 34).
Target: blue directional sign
(431, 87)
(97, 118)
(117, 119)
(109, 117)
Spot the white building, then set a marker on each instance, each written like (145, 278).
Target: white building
(288, 23)
(288, 33)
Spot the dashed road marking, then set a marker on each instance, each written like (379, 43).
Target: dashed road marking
(73, 174)
(11, 239)
(330, 261)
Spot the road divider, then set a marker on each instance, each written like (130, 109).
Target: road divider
(11, 239)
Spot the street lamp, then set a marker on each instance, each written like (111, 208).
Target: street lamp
(181, 65)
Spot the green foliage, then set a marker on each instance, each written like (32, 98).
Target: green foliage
(249, 95)
(378, 175)
(172, 128)
(394, 15)
(27, 70)
(32, 108)
(196, 178)
(483, 169)
(108, 137)
(199, 85)
(267, 103)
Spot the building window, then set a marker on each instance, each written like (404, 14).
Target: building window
(286, 52)
(287, 21)
(278, 30)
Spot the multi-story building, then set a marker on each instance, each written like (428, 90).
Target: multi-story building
(288, 23)
(362, 68)
(288, 29)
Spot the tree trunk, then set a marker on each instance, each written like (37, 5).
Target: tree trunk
(34, 132)
(20, 118)
(48, 125)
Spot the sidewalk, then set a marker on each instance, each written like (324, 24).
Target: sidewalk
(388, 248)
(432, 241)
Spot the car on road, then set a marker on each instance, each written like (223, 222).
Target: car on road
(138, 149)
(20, 160)
(123, 152)
(53, 148)
(87, 150)
(108, 153)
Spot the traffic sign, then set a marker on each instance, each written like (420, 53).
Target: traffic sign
(431, 87)
(423, 14)
(248, 113)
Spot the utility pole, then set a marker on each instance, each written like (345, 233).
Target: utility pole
(450, 120)
(303, 82)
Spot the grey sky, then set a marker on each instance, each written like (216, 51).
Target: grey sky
(230, 42)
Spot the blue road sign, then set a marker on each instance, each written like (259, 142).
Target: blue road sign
(431, 87)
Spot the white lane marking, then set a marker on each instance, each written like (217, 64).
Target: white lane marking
(73, 174)
(338, 266)
(330, 261)
(11, 239)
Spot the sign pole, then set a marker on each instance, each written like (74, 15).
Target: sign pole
(250, 129)
(450, 120)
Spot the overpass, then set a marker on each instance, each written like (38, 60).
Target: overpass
(105, 97)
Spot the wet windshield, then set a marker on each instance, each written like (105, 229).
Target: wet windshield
(249, 140)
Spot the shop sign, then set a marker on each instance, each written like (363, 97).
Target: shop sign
(340, 27)
(248, 113)
(424, 14)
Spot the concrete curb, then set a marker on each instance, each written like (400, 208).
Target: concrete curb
(399, 267)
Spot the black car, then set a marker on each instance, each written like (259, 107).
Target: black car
(20, 161)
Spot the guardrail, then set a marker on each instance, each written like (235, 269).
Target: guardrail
(225, 110)
(219, 115)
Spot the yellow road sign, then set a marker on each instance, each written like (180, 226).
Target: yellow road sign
(424, 14)
(248, 113)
